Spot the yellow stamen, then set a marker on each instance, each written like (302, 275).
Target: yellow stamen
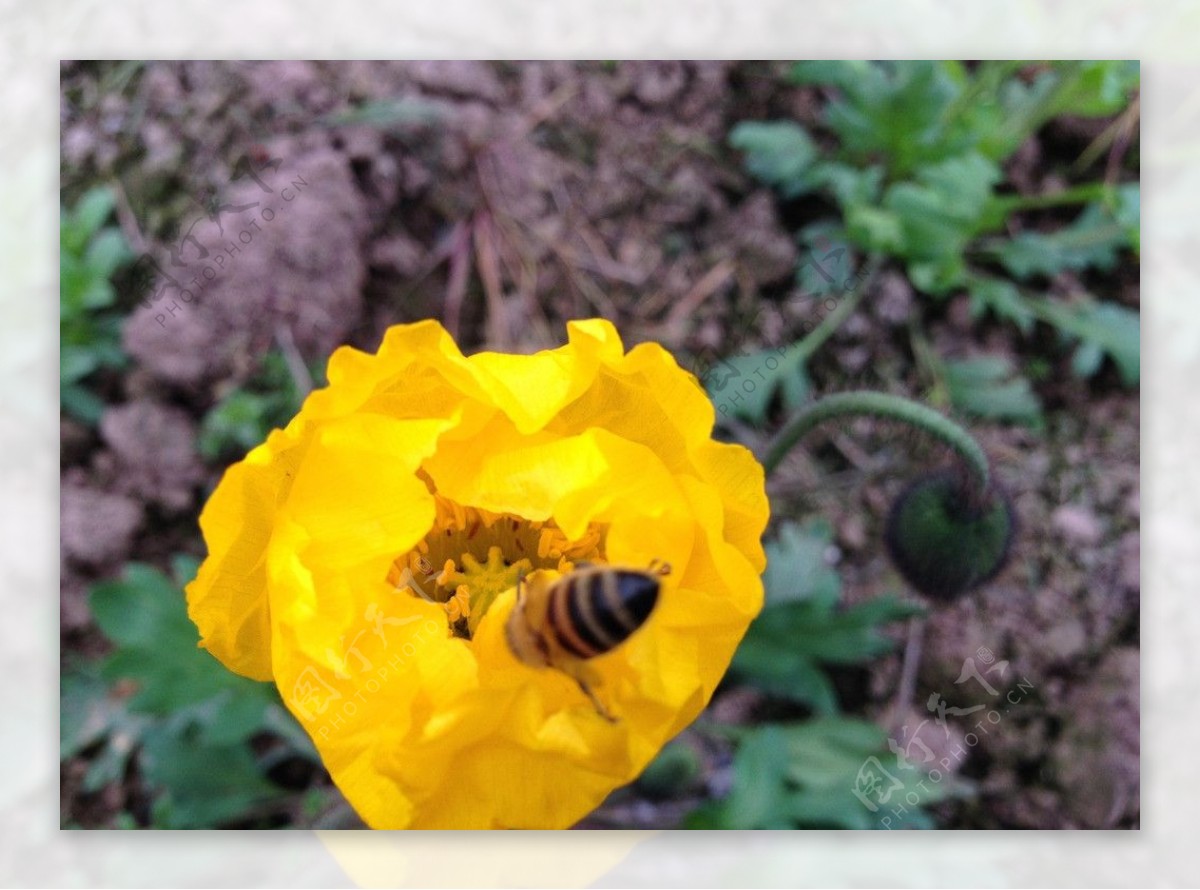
(470, 556)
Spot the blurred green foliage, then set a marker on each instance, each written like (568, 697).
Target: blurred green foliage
(200, 739)
(243, 418)
(916, 172)
(804, 774)
(90, 254)
(801, 627)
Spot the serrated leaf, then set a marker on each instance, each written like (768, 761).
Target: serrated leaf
(86, 713)
(81, 403)
(778, 153)
(758, 796)
(801, 627)
(860, 79)
(875, 229)
(85, 219)
(1003, 299)
(944, 208)
(1101, 88)
(145, 615)
(745, 385)
(850, 184)
(796, 565)
(898, 110)
(1092, 241)
(786, 674)
(938, 277)
(237, 423)
(1113, 329)
(106, 253)
(232, 716)
(202, 786)
(76, 362)
(140, 608)
(1087, 359)
(989, 387)
(821, 782)
(244, 417)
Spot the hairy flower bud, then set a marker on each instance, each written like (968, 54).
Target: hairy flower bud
(946, 540)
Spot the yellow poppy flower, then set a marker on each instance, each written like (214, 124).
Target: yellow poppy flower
(366, 559)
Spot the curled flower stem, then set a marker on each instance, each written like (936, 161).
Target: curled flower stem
(878, 404)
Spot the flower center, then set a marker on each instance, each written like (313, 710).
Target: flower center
(470, 556)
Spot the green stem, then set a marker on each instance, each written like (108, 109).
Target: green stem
(986, 84)
(815, 339)
(1029, 120)
(1080, 194)
(878, 404)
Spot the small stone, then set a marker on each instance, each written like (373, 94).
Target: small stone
(96, 527)
(1077, 525)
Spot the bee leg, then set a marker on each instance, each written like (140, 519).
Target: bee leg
(596, 703)
(585, 677)
(660, 567)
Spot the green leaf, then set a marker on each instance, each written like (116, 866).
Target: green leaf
(801, 627)
(860, 79)
(81, 403)
(89, 338)
(944, 209)
(745, 385)
(1101, 88)
(106, 253)
(145, 615)
(86, 713)
(675, 767)
(1003, 299)
(938, 277)
(1128, 213)
(819, 751)
(876, 230)
(76, 362)
(777, 153)
(806, 775)
(850, 184)
(244, 417)
(786, 674)
(758, 798)
(386, 114)
(238, 422)
(1092, 241)
(188, 721)
(1108, 328)
(892, 109)
(79, 225)
(202, 786)
(988, 387)
(136, 610)
(796, 565)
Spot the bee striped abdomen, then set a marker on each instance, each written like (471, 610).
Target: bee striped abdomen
(594, 611)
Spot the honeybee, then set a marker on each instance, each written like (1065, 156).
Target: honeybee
(585, 613)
